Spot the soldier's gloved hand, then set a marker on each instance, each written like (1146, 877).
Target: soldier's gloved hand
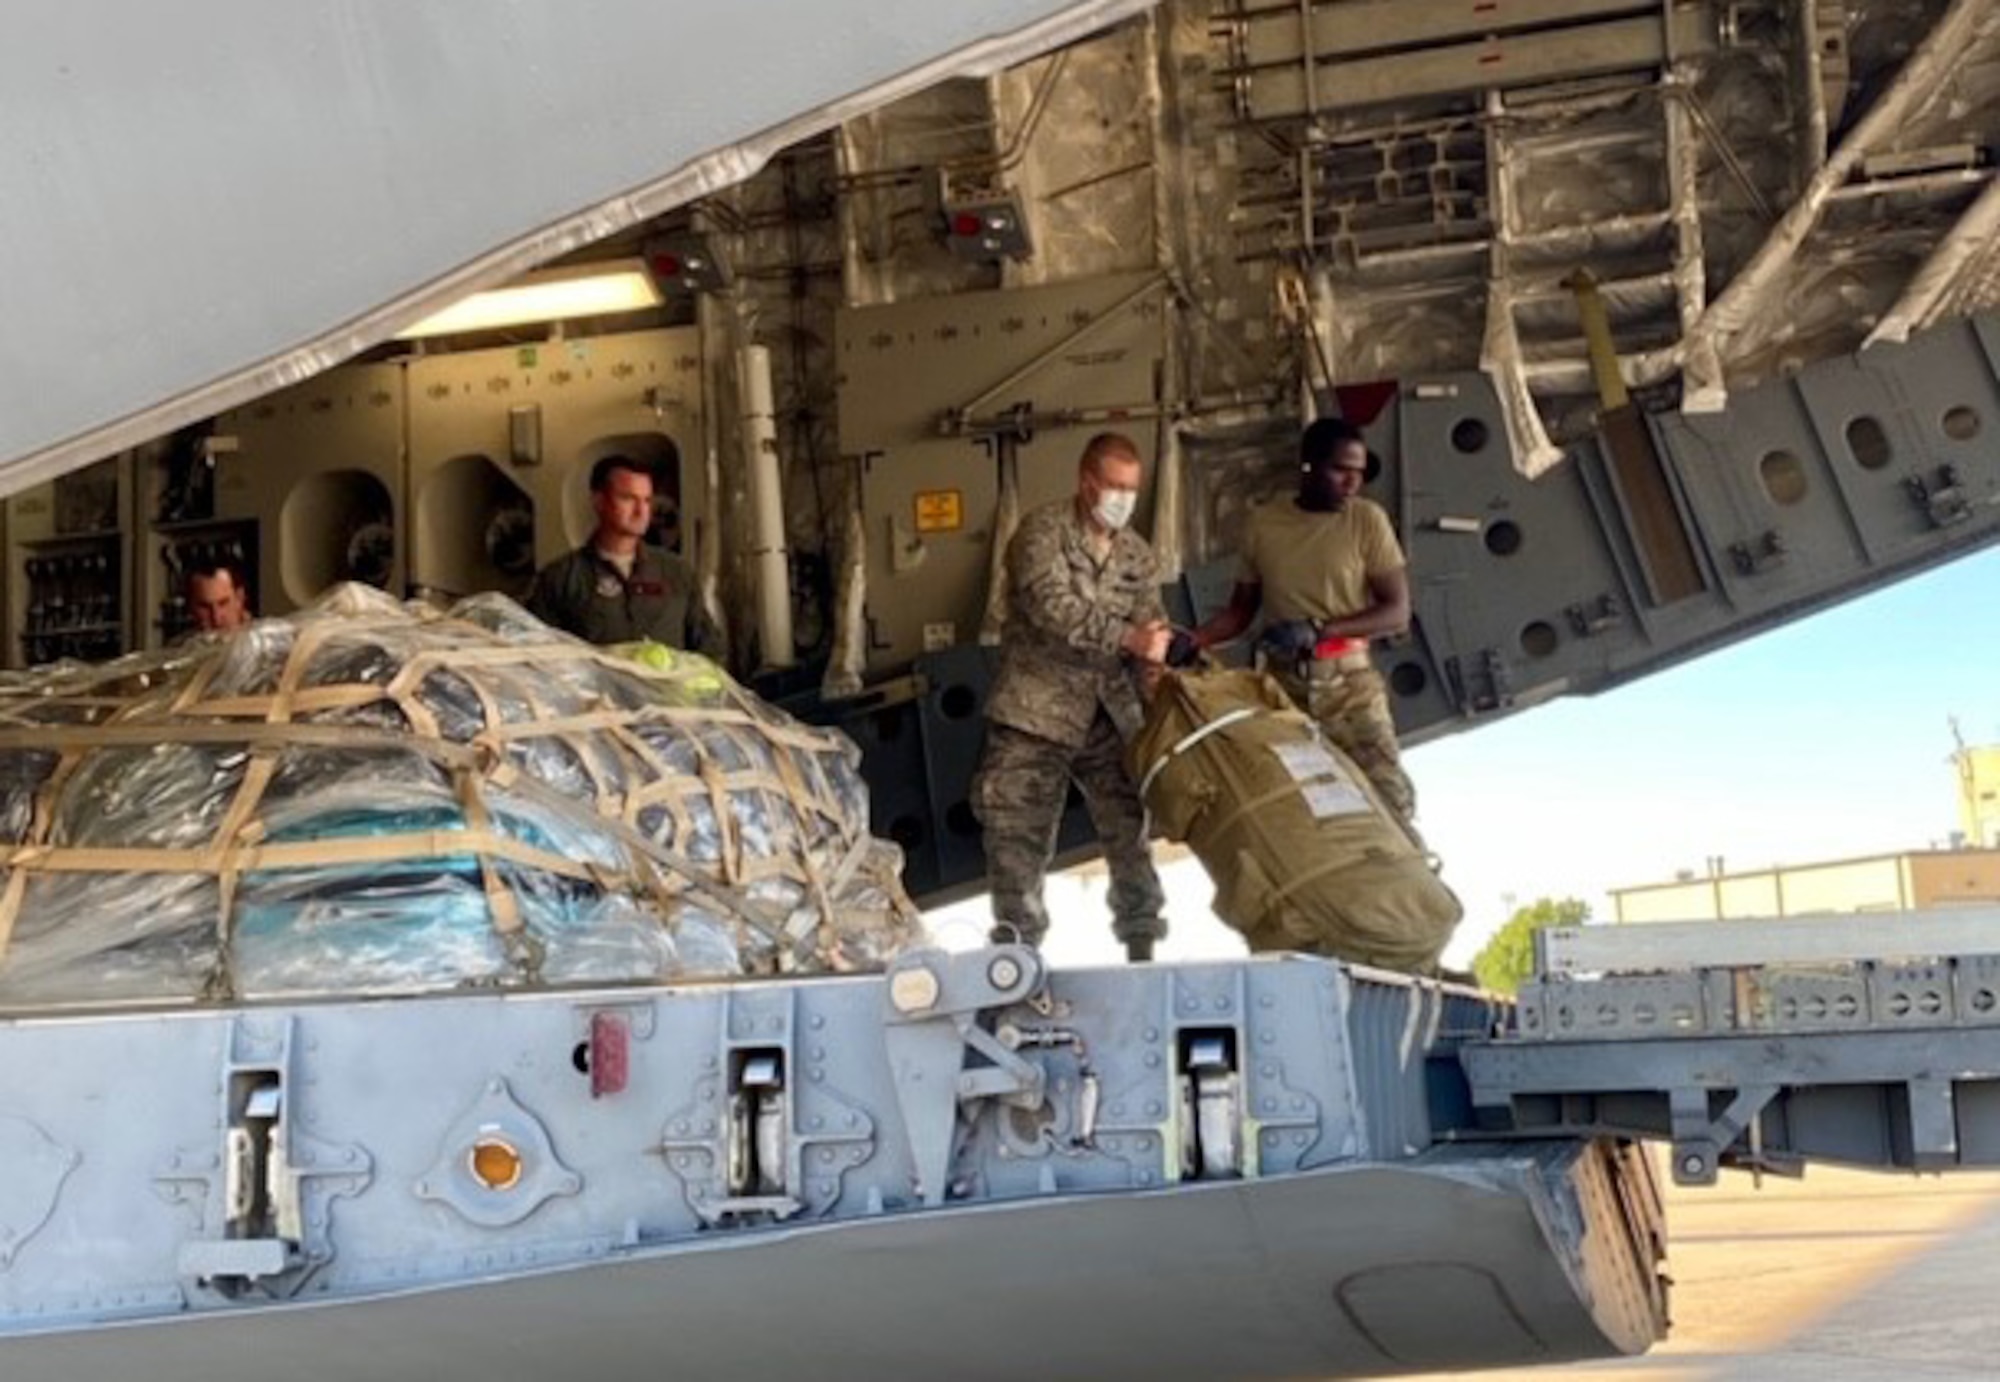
(1290, 638)
(1182, 650)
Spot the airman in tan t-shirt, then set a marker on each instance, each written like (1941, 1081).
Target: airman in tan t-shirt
(1316, 565)
(1327, 573)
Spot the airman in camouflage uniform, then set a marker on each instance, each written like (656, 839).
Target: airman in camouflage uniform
(1328, 573)
(1083, 617)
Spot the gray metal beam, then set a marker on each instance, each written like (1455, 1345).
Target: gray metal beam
(1366, 26)
(1966, 34)
(1551, 595)
(1504, 1070)
(1500, 61)
(1971, 244)
(1924, 1099)
(1640, 947)
(1872, 1040)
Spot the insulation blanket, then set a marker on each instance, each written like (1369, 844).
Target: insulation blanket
(376, 797)
(1303, 854)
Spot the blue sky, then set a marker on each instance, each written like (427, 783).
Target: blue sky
(1825, 738)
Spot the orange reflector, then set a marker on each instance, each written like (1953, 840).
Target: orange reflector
(495, 1164)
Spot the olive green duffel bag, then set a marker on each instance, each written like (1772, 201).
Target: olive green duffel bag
(1303, 854)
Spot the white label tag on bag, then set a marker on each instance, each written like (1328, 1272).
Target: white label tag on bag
(1325, 783)
(1308, 761)
(1336, 797)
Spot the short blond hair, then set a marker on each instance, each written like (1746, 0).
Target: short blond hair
(1106, 444)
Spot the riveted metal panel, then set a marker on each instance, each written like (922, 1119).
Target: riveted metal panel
(1499, 562)
(909, 368)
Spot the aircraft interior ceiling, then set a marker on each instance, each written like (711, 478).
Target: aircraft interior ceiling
(1650, 308)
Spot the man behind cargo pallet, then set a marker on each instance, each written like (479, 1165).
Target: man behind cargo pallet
(1328, 573)
(615, 588)
(1083, 619)
(217, 595)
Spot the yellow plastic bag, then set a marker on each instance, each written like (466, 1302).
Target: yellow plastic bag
(701, 681)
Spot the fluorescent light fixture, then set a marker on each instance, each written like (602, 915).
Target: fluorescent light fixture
(585, 290)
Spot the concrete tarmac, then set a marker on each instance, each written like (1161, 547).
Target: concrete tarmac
(1839, 1277)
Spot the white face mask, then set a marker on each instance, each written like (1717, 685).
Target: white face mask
(1114, 508)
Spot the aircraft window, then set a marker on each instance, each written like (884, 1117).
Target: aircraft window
(1783, 476)
(1961, 424)
(1408, 679)
(1503, 539)
(1539, 639)
(1469, 435)
(1869, 443)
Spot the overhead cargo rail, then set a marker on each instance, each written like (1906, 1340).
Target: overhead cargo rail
(1328, 59)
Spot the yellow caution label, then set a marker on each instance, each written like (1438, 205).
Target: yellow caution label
(940, 510)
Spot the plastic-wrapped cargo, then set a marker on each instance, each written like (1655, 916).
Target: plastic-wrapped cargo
(373, 797)
(1303, 854)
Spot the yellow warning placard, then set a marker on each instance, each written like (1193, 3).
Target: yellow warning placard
(940, 510)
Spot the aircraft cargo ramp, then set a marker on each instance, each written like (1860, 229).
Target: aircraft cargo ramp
(969, 1168)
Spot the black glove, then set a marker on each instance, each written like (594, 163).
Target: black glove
(1182, 650)
(1290, 638)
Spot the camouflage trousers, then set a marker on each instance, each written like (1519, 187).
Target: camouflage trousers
(1351, 705)
(1019, 795)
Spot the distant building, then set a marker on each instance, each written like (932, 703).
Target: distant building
(1873, 883)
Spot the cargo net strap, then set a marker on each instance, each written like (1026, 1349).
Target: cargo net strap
(1190, 739)
(505, 751)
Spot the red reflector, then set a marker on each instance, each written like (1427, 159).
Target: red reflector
(610, 1054)
(966, 224)
(666, 266)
